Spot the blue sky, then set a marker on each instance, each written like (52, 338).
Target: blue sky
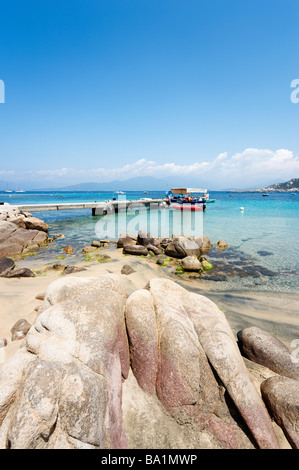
(101, 90)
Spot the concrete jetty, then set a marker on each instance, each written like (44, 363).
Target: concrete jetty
(97, 208)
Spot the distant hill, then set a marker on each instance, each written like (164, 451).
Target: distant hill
(291, 185)
(138, 183)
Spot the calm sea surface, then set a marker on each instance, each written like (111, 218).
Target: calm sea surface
(265, 233)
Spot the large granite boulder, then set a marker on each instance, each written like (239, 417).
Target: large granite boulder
(183, 351)
(204, 243)
(281, 395)
(263, 348)
(144, 238)
(125, 240)
(138, 250)
(181, 247)
(15, 240)
(33, 223)
(62, 389)
(190, 263)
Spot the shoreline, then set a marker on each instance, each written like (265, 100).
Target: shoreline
(274, 312)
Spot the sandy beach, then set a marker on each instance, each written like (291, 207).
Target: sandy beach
(274, 312)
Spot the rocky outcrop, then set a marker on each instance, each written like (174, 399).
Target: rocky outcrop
(221, 245)
(263, 348)
(63, 388)
(33, 223)
(68, 375)
(68, 249)
(20, 233)
(281, 395)
(182, 350)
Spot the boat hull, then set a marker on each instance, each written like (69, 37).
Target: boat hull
(188, 207)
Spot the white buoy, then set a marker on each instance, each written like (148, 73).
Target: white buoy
(242, 208)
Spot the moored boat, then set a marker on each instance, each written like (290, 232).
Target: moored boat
(193, 199)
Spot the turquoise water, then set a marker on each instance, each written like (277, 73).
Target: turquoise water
(266, 231)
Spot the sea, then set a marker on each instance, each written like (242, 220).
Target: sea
(262, 232)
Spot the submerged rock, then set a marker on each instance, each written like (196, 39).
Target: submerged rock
(68, 249)
(89, 249)
(221, 245)
(206, 265)
(96, 243)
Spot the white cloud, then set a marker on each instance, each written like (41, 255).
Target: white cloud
(249, 167)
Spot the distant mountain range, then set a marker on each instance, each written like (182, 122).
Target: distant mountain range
(143, 183)
(139, 183)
